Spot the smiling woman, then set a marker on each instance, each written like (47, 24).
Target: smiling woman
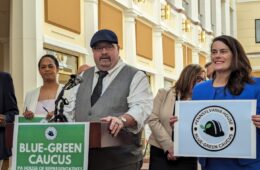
(221, 57)
(232, 80)
(41, 101)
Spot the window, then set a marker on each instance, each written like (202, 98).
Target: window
(168, 50)
(111, 18)
(68, 64)
(144, 33)
(257, 30)
(187, 55)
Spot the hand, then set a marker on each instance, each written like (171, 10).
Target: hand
(173, 119)
(2, 120)
(83, 68)
(28, 114)
(256, 120)
(115, 124)
(170, 155)
(49, 115)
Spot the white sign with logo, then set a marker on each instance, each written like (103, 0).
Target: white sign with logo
(215, 128)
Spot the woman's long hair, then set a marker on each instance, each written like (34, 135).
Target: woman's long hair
(187, 80)
(240, 66)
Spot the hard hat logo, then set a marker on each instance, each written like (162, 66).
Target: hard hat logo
(214, 128)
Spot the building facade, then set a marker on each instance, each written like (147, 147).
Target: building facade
(248, 31)
(158, 36)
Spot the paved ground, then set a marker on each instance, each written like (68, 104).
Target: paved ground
(145, 166)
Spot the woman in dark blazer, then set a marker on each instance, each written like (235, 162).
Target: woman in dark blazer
(8, 108)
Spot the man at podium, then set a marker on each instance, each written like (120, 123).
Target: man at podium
(117, 93)
(8, 108)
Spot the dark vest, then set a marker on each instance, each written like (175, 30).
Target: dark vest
(113, 102)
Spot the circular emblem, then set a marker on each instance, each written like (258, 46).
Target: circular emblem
(214, 128)
(44, 121)
(50, 133)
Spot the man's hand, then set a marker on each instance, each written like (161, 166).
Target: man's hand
(115, 125)
(256, 120)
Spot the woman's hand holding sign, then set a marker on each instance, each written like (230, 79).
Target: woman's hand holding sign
(173, 119)
(256, 120)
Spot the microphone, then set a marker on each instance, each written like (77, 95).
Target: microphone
(73, 81)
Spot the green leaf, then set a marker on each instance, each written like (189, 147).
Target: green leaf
(208, 125)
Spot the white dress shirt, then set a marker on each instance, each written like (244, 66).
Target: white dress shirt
(140, 99)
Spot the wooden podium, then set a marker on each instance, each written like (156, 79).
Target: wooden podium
(99, 136)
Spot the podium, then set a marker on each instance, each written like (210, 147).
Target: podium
(99, 136)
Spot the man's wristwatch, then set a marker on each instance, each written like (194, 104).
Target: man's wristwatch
(123, 119)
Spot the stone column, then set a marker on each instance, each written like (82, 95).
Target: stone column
(194, 10)
(158, 58)
(26, 45)
(217, 15)
(129, 35)
(226, 17)
(207, 15)
(195, 56)
(178, 56)
(178, 3)
(91, 25)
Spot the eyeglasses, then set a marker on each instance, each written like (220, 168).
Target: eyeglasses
(108, 47)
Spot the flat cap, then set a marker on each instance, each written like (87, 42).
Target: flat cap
(103, 35)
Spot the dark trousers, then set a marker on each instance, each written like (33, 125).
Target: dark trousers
(134, 166)
(111, 159)
(158, 160)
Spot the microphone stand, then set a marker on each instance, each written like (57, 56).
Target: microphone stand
(61, 101)
(59, 107)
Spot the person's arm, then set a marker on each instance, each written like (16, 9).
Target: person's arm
(28, 114)
(140, 101)
(256, 118)
(10, 103)
(154, 122)
(158, 129)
